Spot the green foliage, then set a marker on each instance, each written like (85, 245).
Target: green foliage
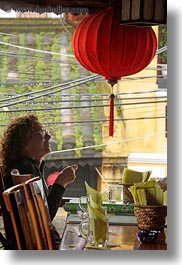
(163, 41)
(96, 116)
(76, 114)
(36, 67)
(4, 64)
(21, 61)
(55, 68)
(118, 107)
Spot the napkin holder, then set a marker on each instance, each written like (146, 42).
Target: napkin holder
(150, 217)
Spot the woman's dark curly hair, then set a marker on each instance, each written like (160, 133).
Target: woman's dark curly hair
(13, 140)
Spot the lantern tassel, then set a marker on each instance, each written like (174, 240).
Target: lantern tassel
(111, 118)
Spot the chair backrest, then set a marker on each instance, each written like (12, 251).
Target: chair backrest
(2, 188)
(19, 178)
(11, 196)
(7, 239)
(33, 225)
(39, 212)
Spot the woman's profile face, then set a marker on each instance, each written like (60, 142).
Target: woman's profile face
(38, 143)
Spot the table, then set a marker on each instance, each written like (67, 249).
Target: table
(122, 237)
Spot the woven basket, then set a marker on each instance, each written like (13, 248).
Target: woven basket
(150, 217)
(127, 196)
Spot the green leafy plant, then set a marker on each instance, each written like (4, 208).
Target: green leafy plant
(163, 42)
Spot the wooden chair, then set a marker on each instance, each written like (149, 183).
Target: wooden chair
(15, 202)
(39, 212)
(19, 178)
(5, 239)
(8, 240)
(33, 225)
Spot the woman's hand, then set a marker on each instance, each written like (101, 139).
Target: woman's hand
(67, 175)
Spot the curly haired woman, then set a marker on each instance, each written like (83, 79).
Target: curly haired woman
(23, 145)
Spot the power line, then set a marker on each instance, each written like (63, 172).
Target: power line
(36, 50)
(162, 49)
(46, 102)
(56, 53)
(98, 121)
(162, 114)
(73, 95)
(33, 81)
(82, 107)
(67, 86)
(31, 57)
(49, 93)
(109, 143)
(74, 62)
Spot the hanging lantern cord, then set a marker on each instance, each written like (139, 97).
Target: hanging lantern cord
(111, 117)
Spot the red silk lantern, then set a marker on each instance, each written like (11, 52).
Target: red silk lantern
(103, 46)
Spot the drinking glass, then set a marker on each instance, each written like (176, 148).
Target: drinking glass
(95, 230)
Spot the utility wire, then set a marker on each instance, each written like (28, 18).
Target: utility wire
(160, 111)
(27, 56)
(97, 121)
(102, 79)
(57, 53)
(109, 143)
(82, 107)
(30, 82)
(54, 102)
(73, 95)
(35, 50)
(67, 86)
(49, 93)
(32, 57)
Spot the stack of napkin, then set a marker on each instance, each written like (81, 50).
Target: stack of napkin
(94, 207)
(130, 176)
(148, 193)
(97, 215)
